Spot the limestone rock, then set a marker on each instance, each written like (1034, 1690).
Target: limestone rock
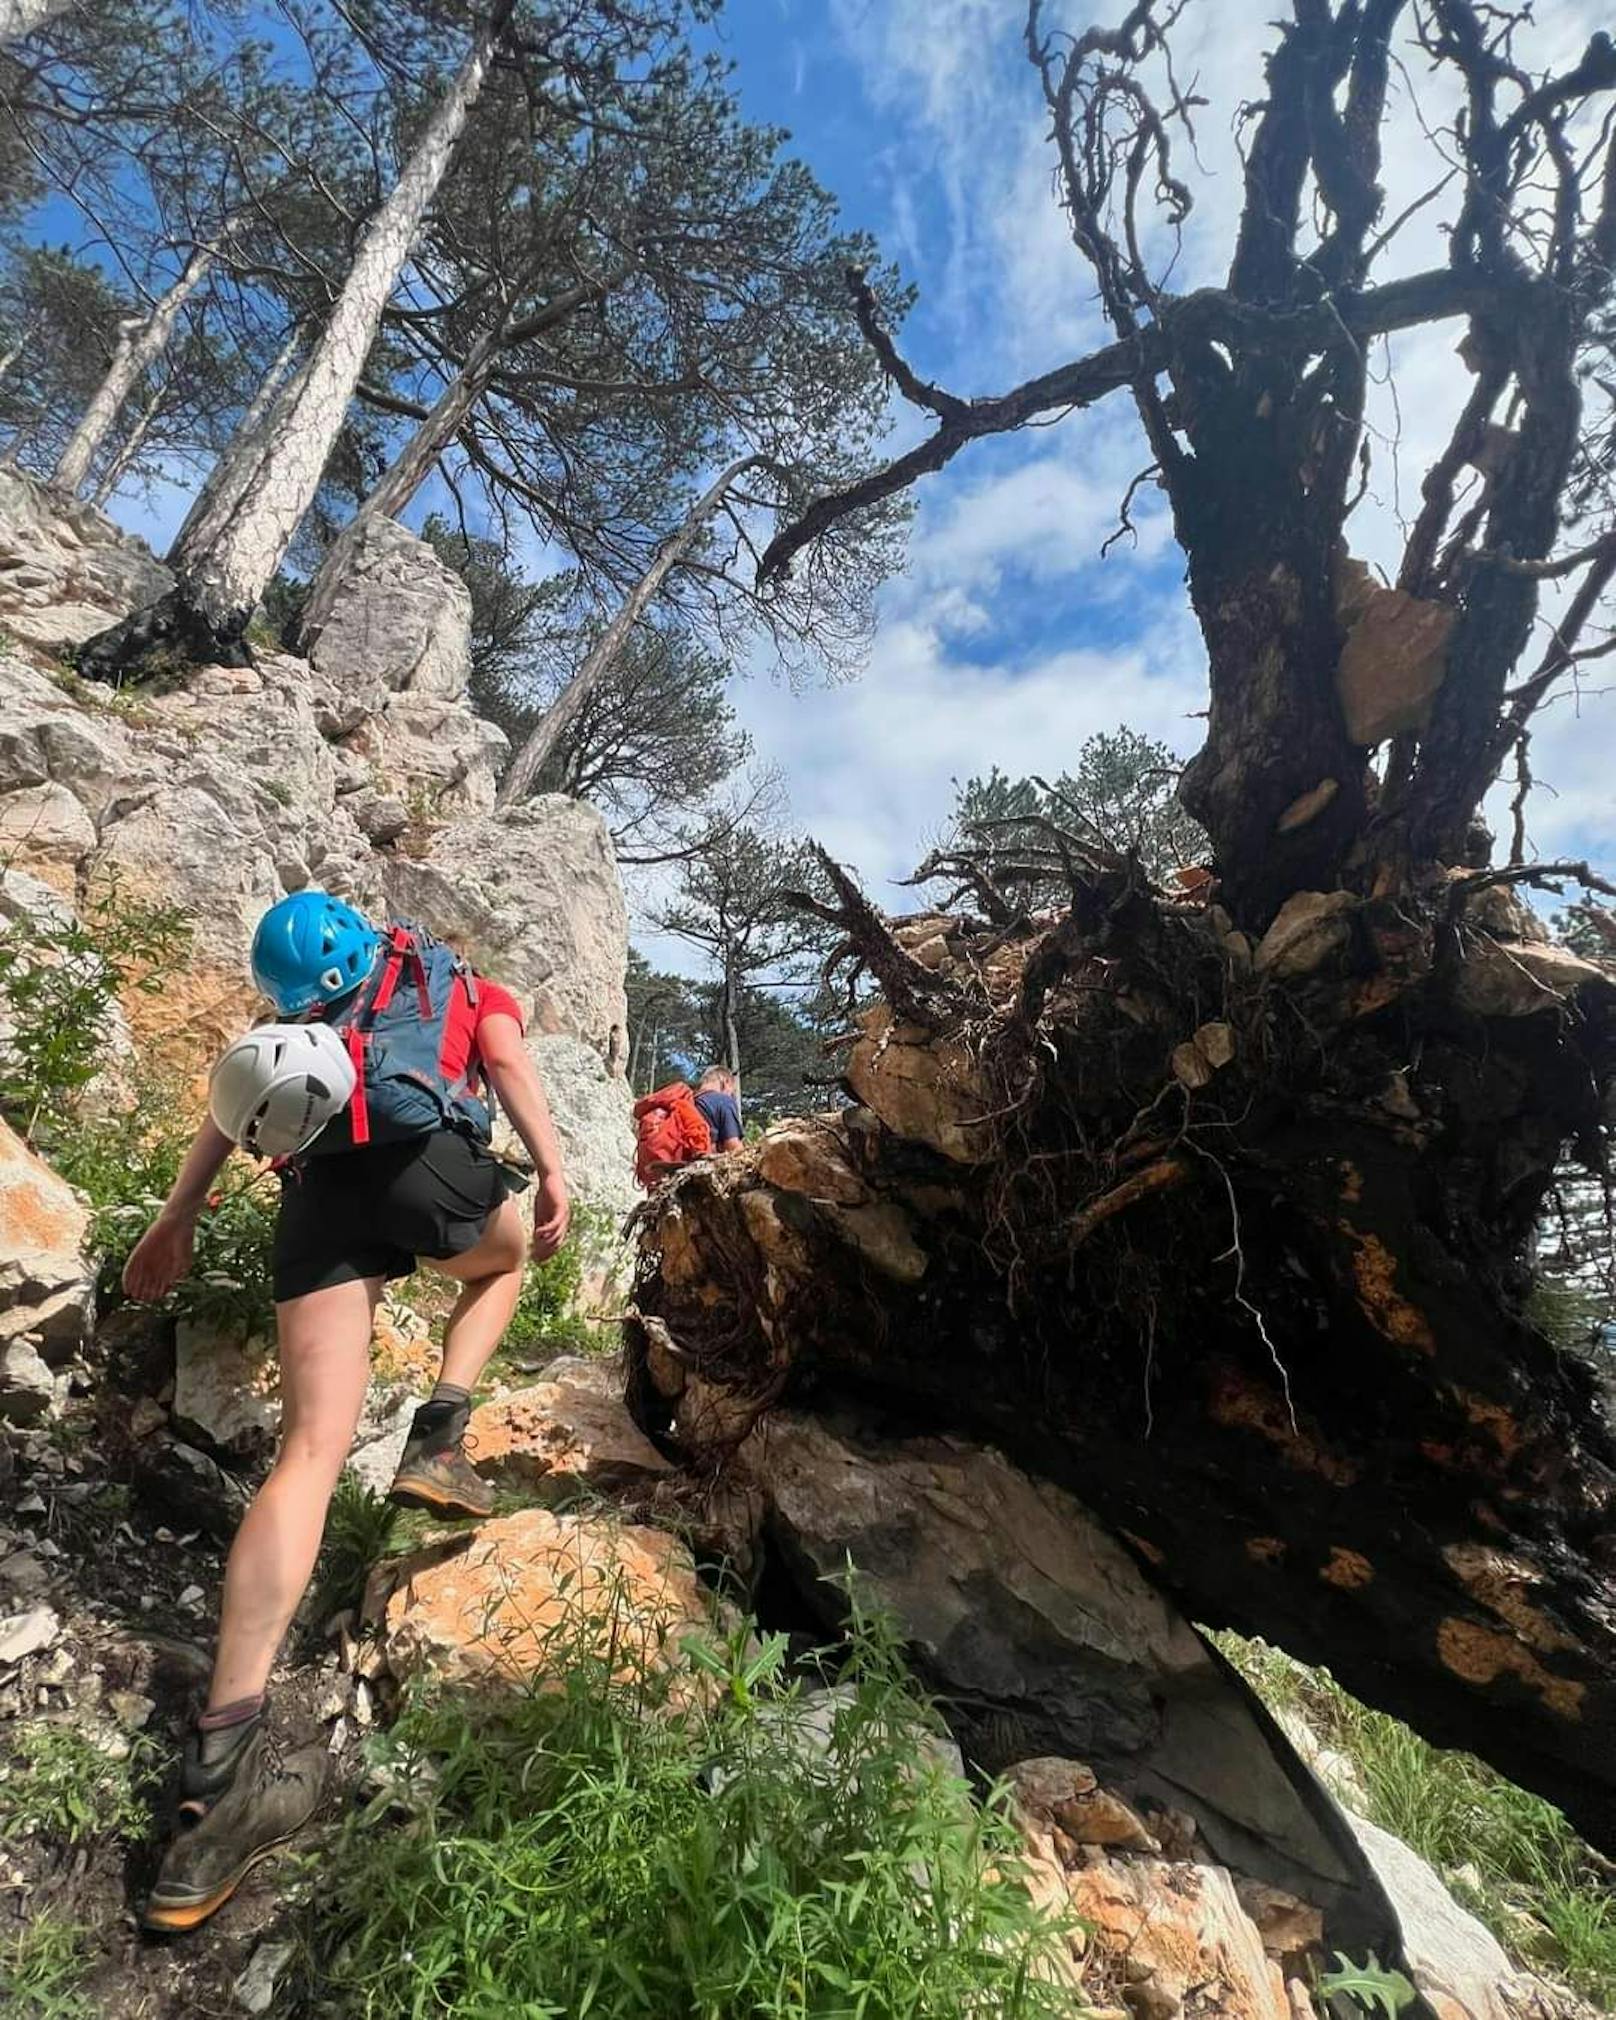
(883, 1236)
(1518, 979)
(1289, 1928)
(45, 1289)
(1394, 657)
(187, 1487)
(66, 571)
(532, 895)
(1458, 1965)
(570, 1430)
(382, 817)
(226, 1391)
(926, 1090)
(23, 1634)
(594, 1118)
(27, 1386)
(1065, 1793)
(401, 617)
(493, 1605)
(44, 826)
(1020, 1606)
(806, 1154)
(1180, 1931)
(1309, 927)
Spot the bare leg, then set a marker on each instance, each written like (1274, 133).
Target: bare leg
(325, 1365)
(491, 1276)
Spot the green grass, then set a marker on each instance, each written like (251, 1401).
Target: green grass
(61, 1785)
(359, 1531)
(596, 1847)
(41, 1970)
(1509, 1856)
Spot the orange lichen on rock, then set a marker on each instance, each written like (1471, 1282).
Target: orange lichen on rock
(1265, 1549)
(1500, 1582)
(1483, 1654)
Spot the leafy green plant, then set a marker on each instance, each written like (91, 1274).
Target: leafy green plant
(547, 1319)
(359, 1531)
(1511, 1857)
(60, 1782)
(1367, 1985)
(59, 979)
(614, 1844)
(42, 1967)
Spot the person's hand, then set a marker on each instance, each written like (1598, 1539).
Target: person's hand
(551, 1212)
(161, 1257)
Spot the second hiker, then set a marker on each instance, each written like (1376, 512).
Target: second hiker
(397, 1039)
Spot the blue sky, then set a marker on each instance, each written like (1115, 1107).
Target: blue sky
(1008, 639)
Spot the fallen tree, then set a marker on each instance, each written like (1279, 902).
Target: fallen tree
(1217, 1205)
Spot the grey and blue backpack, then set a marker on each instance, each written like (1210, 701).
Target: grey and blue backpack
(395, 1025)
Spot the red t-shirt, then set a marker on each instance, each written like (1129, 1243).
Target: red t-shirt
(460, 1052)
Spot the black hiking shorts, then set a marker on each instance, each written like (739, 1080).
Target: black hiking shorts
(373, 1212)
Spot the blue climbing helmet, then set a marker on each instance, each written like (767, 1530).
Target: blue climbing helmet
(311, 948)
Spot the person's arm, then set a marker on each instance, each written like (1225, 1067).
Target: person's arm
(163, 1254)
(521, 1094)
(730, 1110)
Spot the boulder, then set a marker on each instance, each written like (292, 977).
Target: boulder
(807, 1154)
(532, 896)
(28, 1389)
(569, 1431)
(1064, 1793)
(226, 1391)
(497, 1605)
(65, 570)
(594, 1118)
(1394, 656)
(1028, 1617)
(1458, 1966)
(1519, 978)
(401, 617)
(1307, 929)
(921, 1087)
(46, 1291)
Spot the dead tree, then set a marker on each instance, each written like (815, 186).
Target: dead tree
(227, 557)
(1216, 1204)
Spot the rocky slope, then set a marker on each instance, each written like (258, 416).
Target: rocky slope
(1154, 1795)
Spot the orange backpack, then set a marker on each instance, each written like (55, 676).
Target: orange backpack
(672, 1130)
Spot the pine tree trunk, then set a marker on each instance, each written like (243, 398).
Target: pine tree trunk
(535, 755)
(227, 561)
(419, 456)
(139, 346)
(239, 462)
(21, 17)
(131, 445)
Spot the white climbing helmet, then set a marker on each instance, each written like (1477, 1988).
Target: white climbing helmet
(274, 1090)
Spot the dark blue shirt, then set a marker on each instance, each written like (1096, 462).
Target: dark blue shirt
(723, 1113)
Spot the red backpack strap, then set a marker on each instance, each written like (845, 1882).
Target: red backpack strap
(401, 947)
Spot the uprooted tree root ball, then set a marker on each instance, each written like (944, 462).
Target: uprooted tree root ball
(1233, 1242)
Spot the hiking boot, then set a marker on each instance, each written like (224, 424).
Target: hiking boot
(240, 1798)
(435, 1473)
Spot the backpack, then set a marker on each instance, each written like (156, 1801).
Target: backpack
(395, 1024)
(672, 1130)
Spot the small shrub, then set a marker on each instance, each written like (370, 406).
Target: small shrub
(546, 1319)
(61, 1783)
(359, 1532)
(59, 980)
(601, 1845)
(42, 1967)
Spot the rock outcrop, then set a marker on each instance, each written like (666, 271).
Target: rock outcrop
(366, 773)
(45, 1288)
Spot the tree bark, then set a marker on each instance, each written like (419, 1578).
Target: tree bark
(239, 462)
(227, 561)
(541, 746)
(22, 17)
(139, 346)
(419, 456)
(129, 448)
(1268, 1318)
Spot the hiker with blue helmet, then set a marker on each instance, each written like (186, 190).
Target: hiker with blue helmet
(399, 1171)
